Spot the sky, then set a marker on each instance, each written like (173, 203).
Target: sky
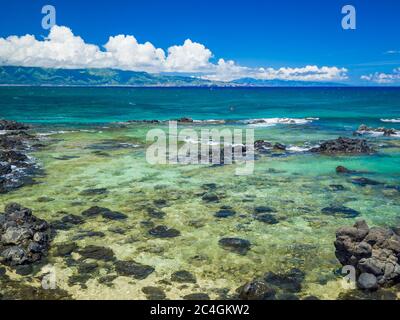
(218, 40)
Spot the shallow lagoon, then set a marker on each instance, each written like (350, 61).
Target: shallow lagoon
(296, 187)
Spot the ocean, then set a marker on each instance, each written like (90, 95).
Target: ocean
(90, 144)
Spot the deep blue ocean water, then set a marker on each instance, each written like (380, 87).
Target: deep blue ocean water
(334, 106)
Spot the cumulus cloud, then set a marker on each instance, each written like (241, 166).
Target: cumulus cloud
(228, 71)
(63, 49)
(383, 78)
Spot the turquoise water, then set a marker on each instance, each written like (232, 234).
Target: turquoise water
(335, 106)
(77, 122)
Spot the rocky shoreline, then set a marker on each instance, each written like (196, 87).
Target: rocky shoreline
(17, 167)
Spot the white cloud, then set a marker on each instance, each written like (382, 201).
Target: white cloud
(128, 54)
(383, 78)
(189, 57)
(62, 49)
(228, 71)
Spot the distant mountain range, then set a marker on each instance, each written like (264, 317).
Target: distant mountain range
(30, 76)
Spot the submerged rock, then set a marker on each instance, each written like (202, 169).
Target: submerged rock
(344, 145)
(154, 293)
(183, 276)
(97, 253)
(133, 269)
(340, 211)
(24, 238)
(365, 182)
(262, 146)
(94, 192)
(210, 197)
(374, 252)
(225, 213)
(256, 289)
(289, 282)
(164, 232)
(237, 245)
(105, 213)
(197, 296)
(267, 218)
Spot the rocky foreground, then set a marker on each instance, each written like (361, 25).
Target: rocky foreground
(24, 238)
(373, 252)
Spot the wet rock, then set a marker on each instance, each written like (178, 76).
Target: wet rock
(97, 253)
(183, 277)
(279, 146)
(365, 182)
(5, 168)
(154, 293)
(93, 192)
(256, 289)
(224, 213)
(14, 256)
(210, 197)
(367, 281)
(24, 239)
(262, 146)
(185, 120)
(236, 245)
(341, 211)
(344, 145)
(12, 125)
(164, 232)
(133, 269)
(373, 252)
(363, 129)
(197, 296)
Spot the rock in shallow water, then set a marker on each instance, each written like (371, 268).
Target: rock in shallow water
(164, 232)
(104, 212)
(237, 245)
(344, 145)
(183, 277)
(133, 269)
(256, 289)
(340, 211)
(154, 293)
(97, 253)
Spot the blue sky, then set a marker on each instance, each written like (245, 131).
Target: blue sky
(276, 34)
